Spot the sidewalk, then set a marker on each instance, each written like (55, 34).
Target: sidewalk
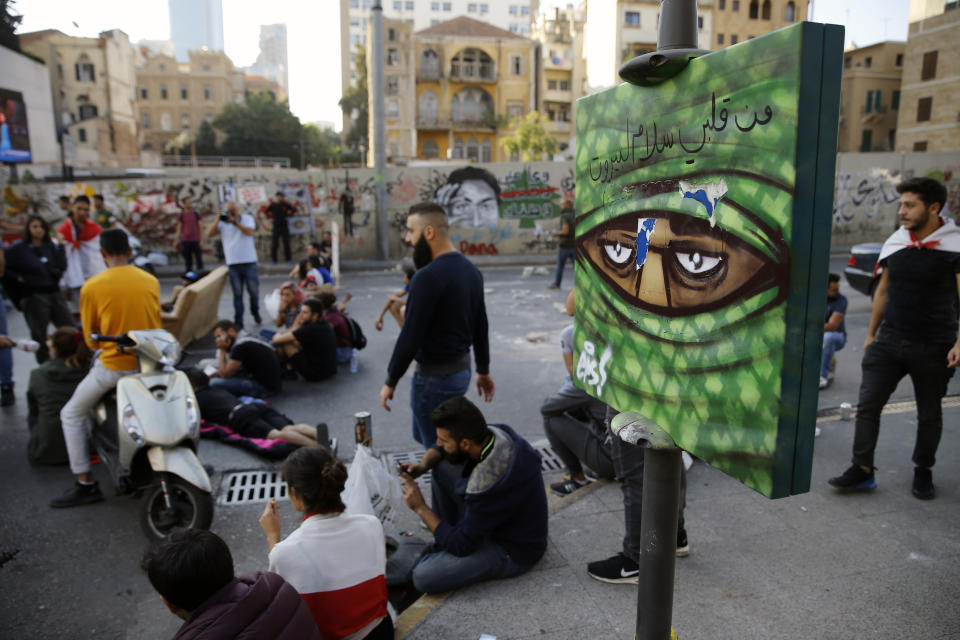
(816, 565)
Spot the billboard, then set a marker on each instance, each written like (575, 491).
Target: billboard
(703, 225)
(14, 135)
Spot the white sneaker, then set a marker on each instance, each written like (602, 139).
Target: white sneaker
(824, 383)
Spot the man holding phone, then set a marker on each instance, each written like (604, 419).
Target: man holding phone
(240, 253)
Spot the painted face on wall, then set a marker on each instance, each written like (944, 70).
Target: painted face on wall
(470, 197)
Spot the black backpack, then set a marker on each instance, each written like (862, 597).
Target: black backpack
(357, 339)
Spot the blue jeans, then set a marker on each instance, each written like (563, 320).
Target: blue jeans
(562, 256)
(241, 386)
(442, 571)
(244, 275)
(6, 355)
(426, 394)
(344, 354)
(833, 341)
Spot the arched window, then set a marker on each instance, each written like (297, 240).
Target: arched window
(84, 69)
(458, 148)
(486, 151)
(765, 11)
(429, 65)
(428, 107)
(429, 149)
(470, 104)
(791, 12)
(754, 9)
(473, 149)
(472, 64)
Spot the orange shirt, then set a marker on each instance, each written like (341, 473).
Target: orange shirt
(115, 301)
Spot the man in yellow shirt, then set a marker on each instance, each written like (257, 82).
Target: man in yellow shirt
(122, 298)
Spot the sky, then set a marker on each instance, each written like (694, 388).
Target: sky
(313, 33)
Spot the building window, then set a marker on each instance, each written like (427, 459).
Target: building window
(88, 111)
(471, 105)
(564, 85)
(393, 85)
(765, 11)
(791, 13)
(183, 92)
(429, 65)
(733, 39)
(929, 69)
(869, 106)
(551, 85)
(393, 108)
(721, 4)
(391, 34)
(458, 148)
(719, 38)
(895, 101)
(473, 149)
(516, 65)
(699, 22)
(472, 64)
(206, 67)
(429, 149)
(207, 92)
(920, 146)
(434, 22)
(472, 7)
(736, 5)
(632, 18)
(82, 134)
(447, 6)
(435, 6)
(393, 57)
(899, 61)
(484, 8)
(162, 67)
(163, 92)
(143, 92)
(398, 5)
(924, 106)
(145, 120)
(868, 62)
(514, 9)
(754, 10)
(354, 4)
(846, 62)
(486, 151)
(429, 107)
(524, 11)
(185, 121)
(408, 5)
(866, 140)
(165, 121)
(876, 100)
(84, 69)
(514, 110)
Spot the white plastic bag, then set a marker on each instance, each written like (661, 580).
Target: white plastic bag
(271, 303)
(372, 490)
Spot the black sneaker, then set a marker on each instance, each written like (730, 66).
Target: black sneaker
(568, 486)
(78, 494)
(618, 569)
(256, 316)
(854, 479)
(923, 483)
(6, 394)
(683, 547)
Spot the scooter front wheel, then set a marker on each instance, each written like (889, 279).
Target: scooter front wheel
(189, 508)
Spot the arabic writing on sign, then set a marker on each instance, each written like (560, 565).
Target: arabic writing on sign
(645, 141)
(591, 371)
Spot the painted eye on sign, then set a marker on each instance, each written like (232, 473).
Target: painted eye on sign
(704, 215)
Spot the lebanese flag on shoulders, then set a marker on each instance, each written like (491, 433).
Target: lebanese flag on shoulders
(83, 253)
(945, 238)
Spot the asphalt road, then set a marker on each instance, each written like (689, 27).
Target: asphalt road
(74, 573)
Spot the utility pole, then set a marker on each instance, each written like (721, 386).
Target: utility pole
(379, 137)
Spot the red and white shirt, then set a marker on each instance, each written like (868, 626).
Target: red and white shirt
(337, 563)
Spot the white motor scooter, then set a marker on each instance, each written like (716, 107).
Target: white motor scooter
(147, 431)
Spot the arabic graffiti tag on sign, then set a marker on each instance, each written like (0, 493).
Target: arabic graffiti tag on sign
(528, 196)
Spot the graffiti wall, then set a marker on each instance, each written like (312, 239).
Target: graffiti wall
(866, 200)
(494, 208)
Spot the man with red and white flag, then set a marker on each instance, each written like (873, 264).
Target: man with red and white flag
(913, 331)
(81, 239)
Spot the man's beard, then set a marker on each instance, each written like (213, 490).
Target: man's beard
(421, 253)
(829, 297)
(455, 458)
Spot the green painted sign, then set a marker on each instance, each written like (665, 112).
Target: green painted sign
(703, 230)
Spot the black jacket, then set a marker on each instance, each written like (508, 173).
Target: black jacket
(40, 268)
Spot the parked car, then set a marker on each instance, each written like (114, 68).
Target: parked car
(860, 266)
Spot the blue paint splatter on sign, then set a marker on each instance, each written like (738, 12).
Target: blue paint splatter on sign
(644, 232)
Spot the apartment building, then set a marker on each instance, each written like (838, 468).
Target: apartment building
(399, 82)
(92, 82)
(929, 115)
(561, 73)
(870, 93)
(738, 20)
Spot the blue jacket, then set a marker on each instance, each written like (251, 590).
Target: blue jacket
(504, 500)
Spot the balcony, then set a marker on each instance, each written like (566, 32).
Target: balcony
(473, 72)
(557, 95)
(429, 75)
(432, 122)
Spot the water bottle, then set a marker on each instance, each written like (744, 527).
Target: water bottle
(30, 346)
(354, 365)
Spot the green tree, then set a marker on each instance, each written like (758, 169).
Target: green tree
(8, 26)
(261, 127)
(206, 140)
(354, 100)
(320, 146)
(530, 139)
(180, 145)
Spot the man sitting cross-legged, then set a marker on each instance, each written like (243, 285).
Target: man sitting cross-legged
(251, 420)
(489, 516)
(309, 346)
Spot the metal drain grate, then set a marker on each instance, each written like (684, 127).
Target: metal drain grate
(249, 487)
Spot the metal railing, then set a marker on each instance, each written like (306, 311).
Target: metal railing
(227, 161)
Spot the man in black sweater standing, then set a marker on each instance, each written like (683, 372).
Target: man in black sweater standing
(445, 316)
(279, 211)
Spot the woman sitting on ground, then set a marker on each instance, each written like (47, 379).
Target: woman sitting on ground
(51, 385)
(337, 562)
(312, 275)
(291, 299)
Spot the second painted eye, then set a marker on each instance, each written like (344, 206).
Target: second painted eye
(617, 252)
(698, 263)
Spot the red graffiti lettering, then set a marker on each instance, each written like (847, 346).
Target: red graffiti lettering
(479, 249)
